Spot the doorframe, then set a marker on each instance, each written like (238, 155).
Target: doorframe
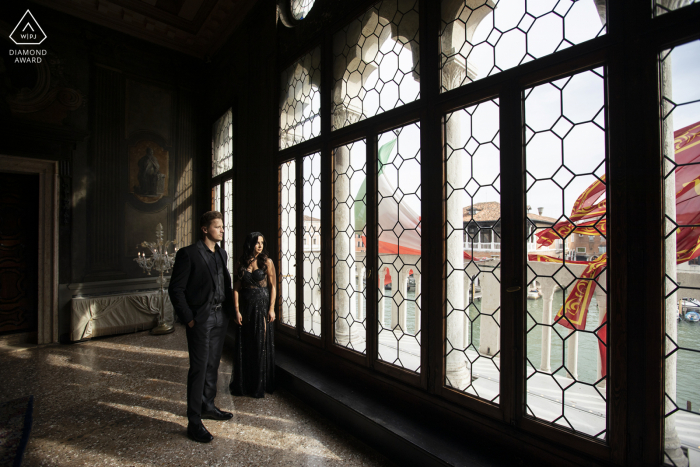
(47, 302)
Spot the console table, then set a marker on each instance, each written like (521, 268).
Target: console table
(103, 315)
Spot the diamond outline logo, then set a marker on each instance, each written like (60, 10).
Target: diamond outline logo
(27, 22)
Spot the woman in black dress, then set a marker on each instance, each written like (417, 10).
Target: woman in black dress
(254, 300)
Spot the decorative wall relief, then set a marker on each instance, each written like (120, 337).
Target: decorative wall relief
(148, 171)
(39, 92)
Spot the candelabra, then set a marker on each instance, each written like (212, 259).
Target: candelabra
(162, 262)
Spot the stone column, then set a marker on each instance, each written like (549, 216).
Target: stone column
(380, 309)
(403, 291)
(601, 299)
(490, 331)
(672, 444)
(458, 368)
(317, 294)
(417, 317)
(353, 278)
(467, 294)
(361, 294)
(572, 354)
(547, 298)
(344, 248)
(394, 292)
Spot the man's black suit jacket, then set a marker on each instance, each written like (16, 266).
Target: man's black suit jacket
(192, 283)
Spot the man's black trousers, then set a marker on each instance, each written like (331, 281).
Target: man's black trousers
(205, 342)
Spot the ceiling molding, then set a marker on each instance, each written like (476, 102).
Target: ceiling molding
(211, 23)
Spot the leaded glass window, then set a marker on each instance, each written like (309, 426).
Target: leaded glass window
(288, 240)
(216, 198)
(473, 261)
(222, 144)
(349, 258)
(228, 223)
(222, 175)
(376, 62)
(300, 107)
(525, 327)
(312, 252)
(566, 329)
(664, 6)
(301, 8)
(399, 247)
(480, 39)
(183, 207)
(680, 118)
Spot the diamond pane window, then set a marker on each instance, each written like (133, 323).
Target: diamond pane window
(349, 234)
(312, 248)
(216, 198)
(228, 223)
(222, 144)
(301, 8)
(680, 112)
(288, 242)
(376, 62)
(184, 206)
(566, 315)
(482, 38)
(473, 286)
(664, 6)
(399, 247)
(300, 118)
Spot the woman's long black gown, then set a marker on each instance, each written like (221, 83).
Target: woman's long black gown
(254, 356)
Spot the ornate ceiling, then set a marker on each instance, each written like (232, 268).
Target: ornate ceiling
(195, 27)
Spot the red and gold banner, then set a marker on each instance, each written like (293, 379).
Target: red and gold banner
(687, 147)
(575, 307)
(602, 334)
(562, 230)
(578, 301)
(585, 207)
(550, 259)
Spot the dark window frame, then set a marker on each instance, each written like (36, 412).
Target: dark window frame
(629, 52)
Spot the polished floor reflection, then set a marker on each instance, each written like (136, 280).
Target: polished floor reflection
(121, 401)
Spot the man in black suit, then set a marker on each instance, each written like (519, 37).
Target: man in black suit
(201, 294)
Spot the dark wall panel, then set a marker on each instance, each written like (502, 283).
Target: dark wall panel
(106, 162)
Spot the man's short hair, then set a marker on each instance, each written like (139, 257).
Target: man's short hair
(208, 217)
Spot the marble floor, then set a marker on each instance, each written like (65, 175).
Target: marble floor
(120, 401)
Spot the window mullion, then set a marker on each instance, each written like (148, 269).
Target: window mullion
(512, 254)
(326, 247)
(299, 265)
(372, 249)
(431, 199)
(327, 190)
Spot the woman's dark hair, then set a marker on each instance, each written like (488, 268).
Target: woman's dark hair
(249, 253)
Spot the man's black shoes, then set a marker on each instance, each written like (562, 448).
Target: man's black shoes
(216, 414)
(198, 433)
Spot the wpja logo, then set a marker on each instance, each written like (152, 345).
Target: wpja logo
(28, 32)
